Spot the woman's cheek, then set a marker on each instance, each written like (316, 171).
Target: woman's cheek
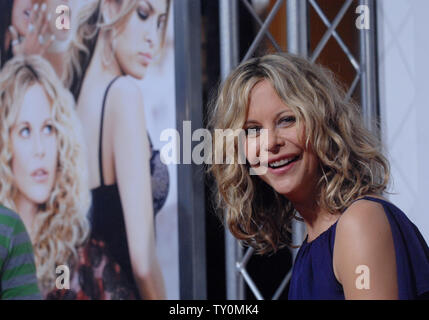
(252, 150)
(53, 153)
(20, 161)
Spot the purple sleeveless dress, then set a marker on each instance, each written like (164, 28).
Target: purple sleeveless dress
(313, 274)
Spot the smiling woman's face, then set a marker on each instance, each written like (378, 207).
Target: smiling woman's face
(291, 169)
(34, 147)
(21, 15)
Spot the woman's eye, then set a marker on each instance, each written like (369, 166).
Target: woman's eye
(48, 129)
(142, 13)
(252, 131)
(24, 132)
(287, 120)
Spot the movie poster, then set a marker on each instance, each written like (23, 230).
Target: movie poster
(86, 89)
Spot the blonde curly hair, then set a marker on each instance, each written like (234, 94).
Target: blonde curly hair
(61, 224)
(349, 155)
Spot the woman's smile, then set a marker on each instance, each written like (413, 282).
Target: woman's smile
(283, 165)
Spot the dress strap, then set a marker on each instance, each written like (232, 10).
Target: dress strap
(363, 198)
(150, 141)
(100, 143)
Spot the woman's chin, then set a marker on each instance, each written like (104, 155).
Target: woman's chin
(137, 72)
(39, 198)
(284, 190)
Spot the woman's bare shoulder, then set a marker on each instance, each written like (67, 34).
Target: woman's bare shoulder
(363, 215)
(125, 96)
(364, 230)
(125, 102)
(364, 238)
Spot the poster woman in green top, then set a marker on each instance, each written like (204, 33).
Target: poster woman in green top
(42, 163)
(17, 270)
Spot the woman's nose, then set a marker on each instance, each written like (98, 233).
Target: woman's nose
(274, 141)
(39, 146)
(151, 35)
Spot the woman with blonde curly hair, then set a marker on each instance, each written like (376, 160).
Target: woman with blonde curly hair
(42, 169)
(43, 175)
(307, 151)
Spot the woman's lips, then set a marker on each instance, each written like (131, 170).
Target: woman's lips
(145, 58)
(40, 175)
(283, 169)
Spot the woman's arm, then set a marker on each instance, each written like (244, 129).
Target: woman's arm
(364, 253)
(132, 156)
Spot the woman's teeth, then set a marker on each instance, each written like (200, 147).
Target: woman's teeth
(282, 163)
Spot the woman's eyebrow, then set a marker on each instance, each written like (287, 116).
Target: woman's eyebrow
(283, 111)
(20, 123)
(250, 121)
(48, 120)
(278, 114)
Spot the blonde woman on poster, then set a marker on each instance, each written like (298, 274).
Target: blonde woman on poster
(42, 164)
(44, 178)
(126, 175)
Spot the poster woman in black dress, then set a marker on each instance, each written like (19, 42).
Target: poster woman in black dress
(127, 37)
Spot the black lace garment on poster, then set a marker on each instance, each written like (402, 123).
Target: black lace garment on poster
(107, 218)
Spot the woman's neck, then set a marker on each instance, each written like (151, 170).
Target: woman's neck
(98, 67)
(27, 210)
(316, 218)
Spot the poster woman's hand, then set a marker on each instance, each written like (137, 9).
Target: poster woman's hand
(38, 38)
